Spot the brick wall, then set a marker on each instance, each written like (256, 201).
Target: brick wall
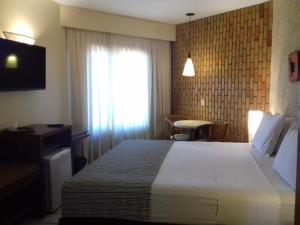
(232, 58)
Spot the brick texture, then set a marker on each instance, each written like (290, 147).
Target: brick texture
(232, 58)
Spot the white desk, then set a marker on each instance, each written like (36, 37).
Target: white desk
(192, 125)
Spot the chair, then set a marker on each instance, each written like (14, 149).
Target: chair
(218, 132)
(174, 133)
(203, 133)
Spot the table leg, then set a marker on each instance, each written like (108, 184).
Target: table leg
(192, 134)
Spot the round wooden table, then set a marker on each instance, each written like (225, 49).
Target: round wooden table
(192, 125)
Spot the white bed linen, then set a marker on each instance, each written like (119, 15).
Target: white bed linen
(209, 183)
(287, 195)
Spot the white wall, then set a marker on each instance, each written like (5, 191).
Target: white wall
(40, 19)
(286, 39)
(104, 22)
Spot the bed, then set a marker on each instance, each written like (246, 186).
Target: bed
(164, 182)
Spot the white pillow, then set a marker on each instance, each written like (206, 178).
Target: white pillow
(285, 162)
(287, 123)
(268, 133)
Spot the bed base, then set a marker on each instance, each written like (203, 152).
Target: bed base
(102, 221)
(109, 221)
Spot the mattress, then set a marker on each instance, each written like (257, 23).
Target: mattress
(220, 183)
(197, 183)
(286, 194)
(117, 185)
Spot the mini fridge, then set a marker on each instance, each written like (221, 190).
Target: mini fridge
(57, 169)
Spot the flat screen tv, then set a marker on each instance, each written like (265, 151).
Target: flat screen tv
(22, 66)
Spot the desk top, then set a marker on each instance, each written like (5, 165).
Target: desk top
(42, 130)
(191, 124)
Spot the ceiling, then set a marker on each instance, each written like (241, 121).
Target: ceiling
(164, 11)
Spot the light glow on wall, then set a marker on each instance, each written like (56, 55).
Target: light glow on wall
(254, 119)
(20, 31)
(21, 27)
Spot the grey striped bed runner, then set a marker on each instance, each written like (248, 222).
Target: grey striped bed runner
(117, 185)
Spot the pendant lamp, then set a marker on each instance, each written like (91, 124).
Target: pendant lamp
(189, 70)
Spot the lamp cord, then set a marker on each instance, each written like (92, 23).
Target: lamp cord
(190, 36)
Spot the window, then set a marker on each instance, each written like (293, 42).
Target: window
(119, 87)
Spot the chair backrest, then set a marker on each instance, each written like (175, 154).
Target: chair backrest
(203, 133)
(218, 132)
(174, 117)
(169, 126)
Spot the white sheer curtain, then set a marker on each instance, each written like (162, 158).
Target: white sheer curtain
(120, 87)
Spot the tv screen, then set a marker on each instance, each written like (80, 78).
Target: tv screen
(22, 66)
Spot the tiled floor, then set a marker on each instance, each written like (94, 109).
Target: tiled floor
(49, 219)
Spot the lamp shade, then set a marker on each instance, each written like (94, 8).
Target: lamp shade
(189, 70)
(254, 119)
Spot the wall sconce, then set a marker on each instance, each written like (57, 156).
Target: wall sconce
(254, 119)
(19, 38)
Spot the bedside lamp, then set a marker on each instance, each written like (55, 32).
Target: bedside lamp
(254, 119)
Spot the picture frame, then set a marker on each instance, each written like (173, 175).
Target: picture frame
(294, 63)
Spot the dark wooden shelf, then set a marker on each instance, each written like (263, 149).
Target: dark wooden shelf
(21, 180)
(15, 175)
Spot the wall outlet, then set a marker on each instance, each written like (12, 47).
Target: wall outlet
(202, 102)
